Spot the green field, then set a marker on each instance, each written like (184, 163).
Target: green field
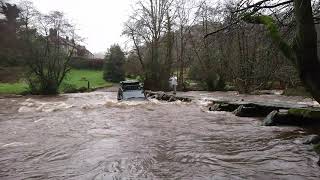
(16, 88)
(75, 79)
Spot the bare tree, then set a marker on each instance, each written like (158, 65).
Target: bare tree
(182, 21)
(28, 15)
(206, 51)
(132, 32)
(50, 53)
(147, 27)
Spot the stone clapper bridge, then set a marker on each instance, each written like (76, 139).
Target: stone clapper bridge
(279, 113)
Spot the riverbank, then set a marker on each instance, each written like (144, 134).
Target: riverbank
(76, 81)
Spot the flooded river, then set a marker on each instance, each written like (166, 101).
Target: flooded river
(92, 136)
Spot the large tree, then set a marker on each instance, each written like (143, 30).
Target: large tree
(305, 48)
(9, 41)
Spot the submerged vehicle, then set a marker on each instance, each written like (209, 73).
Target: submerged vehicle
(131, 90)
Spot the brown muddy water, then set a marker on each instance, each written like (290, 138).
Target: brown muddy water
(92, 136)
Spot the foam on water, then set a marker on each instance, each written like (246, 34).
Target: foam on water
(32, 105)
(15, 144)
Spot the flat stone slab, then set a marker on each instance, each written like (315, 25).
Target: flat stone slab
(284, 113)
(275, 113)
(276, 105)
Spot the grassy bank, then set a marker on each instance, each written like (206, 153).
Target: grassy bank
(75, 79)
(78, 79)
(13, 88)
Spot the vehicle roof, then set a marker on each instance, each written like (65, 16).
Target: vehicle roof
(130, 82)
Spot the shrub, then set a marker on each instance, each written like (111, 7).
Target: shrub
(114, 62)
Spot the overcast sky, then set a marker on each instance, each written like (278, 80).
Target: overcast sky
(100, 22)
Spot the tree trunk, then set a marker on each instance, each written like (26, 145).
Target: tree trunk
(306, 48)
(181, 60)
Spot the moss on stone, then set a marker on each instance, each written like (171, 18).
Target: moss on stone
(316, 148)
(305, 113)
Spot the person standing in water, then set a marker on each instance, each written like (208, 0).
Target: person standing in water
(174, 83)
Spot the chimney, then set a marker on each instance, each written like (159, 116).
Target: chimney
(50, 32)
(53, 32)
(67, 38)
